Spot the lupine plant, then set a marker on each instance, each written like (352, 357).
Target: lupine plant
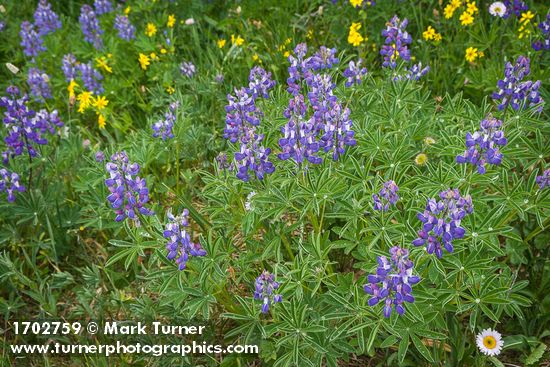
(287, 173)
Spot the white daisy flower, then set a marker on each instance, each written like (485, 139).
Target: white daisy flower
(489, 342)
(497, 9)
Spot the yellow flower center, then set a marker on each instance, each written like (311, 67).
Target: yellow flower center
(489, 342)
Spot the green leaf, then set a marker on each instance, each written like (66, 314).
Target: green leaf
(421, 348)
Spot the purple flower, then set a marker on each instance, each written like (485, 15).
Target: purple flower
(38, 81)
(103, 6)
(241, 112)
(99, 156)
(299, 69)
(125, 29)
(515, 7)
(396, 41)
(483, 145)
(45, 19)
(25, 126)
(91, 78)
(179, 245)
(299, 141)
(391, 284)
(90, 26)
(252, 157)
(337, 131)
(219, 78)
(188, 69)
(441, 221)
(31, 41)
(9, 183)
(69, 67)
(545, 29)
(129, 192)
(513, 91)
(544, 179)
(260, 82)
(414, 73)
(163, 128)
(323, 59)
(264, 289)
(354, 73)
(386, 196)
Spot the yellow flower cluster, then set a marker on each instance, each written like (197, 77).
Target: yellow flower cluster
(467, 16)
(238, 41)
(356, 3)
(524, 21)
(354, 37)
(86, 100)
(430, 34)
(283, 47)
(144, 61)
(101, 62)
(171, 21)
(473, 53)
(150, 30)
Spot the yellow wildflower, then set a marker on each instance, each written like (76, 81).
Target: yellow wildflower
(466, 18)
(221, 43)
(429, 33)
(163, 51)
(100, 121)
(356, 3)
(171, 21)
(309, 34)
(255, 57)
(150, 30)
(449, 11)
(127, 10)
(428, 140)
(71, 87)
(526, 17)
(471, 8)
(102, 63)
(354, 37)
(100, 103)
(437, 37)
(288, 40)
(84, 101)
(144, 61)
(170, 89)
(237, 40)
(153, 56)
(286, 54)
(456, 3)
(421, 159)
(471, 54)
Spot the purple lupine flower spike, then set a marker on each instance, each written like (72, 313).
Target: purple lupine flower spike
(392, 282)
(25, 126)
(90, 26)
(163, 128)
(513, 91)
(179, 245)
(31, 41)
(103, 6)
(442, 221)
(39, 82)
(543, 180)
(125, 29)
(323, 59)
(241, 112)
(396, 41)
(483, 146)
(543, 44)
(45, 19)
(354, 73)
(91, 78)
(515, 7)
(129, 192)
(264, 289)
(253, 157)
(9, 183)
(69, 67)
(188, 69)
(260, 82)
(386, 196)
